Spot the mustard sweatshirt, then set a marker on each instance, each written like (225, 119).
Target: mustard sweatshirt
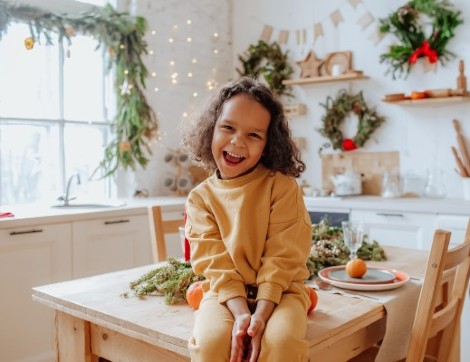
(254, 229)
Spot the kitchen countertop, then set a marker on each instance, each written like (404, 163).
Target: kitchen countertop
(377, 203)
(39, 213)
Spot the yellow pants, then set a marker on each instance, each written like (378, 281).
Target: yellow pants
(283, 339)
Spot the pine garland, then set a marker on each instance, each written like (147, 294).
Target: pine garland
(123, 36)
(268, 61)
(405, 24)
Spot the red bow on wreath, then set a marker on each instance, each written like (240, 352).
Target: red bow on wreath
(424, 50)
(348, 144)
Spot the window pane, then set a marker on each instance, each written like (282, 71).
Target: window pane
(84, 149)
(29, 79)
(29, 163)
(83, 80)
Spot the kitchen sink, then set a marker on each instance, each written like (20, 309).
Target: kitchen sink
(91, 205)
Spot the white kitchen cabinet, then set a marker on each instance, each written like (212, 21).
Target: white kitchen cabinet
(110, 244)
(404, 229)
(30, 256)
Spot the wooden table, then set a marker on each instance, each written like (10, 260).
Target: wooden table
(94, 319)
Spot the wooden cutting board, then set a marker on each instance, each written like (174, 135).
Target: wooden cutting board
(371, 165)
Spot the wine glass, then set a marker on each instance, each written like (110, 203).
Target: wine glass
(352, 235)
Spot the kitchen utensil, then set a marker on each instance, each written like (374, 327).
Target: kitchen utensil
(390, 186)
(374, 275)
(347, 184)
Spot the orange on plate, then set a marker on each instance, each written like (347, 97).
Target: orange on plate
(356, 268)
(194, 294)
(313, 299)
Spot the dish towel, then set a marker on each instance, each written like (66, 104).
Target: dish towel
(6, 214)
(400, 305)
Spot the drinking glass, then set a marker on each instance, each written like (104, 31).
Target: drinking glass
(352, 235)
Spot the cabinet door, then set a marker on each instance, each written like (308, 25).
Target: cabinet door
(30, 257)
(110, 244)
(409, 230)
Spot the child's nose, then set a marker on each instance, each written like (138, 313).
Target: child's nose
(237, 140)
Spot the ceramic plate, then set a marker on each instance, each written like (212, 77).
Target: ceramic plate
(373, 275)
(401, 278)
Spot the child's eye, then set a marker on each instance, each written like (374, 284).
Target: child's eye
(225, 126)
(255, 135)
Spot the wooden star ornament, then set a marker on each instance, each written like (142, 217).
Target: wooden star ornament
(310, 66)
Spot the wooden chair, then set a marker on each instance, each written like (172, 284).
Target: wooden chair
(158, 229)
(440, 303)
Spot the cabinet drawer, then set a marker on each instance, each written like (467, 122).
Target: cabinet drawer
(409, 230)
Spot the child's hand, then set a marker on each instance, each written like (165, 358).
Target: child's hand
(240, 338)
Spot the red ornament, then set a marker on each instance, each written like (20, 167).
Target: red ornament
(348, 144)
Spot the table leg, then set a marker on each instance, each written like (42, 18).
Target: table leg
(72, 336)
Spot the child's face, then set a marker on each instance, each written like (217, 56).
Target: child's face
(240, 135)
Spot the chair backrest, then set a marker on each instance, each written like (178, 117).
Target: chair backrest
(441, 299)
(158, 228)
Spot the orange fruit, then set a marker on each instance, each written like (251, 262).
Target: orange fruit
(194, 294)
(313, 299)
(356, 268)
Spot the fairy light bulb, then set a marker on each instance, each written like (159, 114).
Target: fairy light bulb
(172, 62)
(189, 40)
(189, 22)
(216, 51)
(156, 89)
(153, 32)
(122, 46)
(174, 75)
(154, 74)
(195, 94)
(194, 60)
(190, 75)
(151, 52)
(126, 71)
(216, 35)
(171, 40)
(185, 115)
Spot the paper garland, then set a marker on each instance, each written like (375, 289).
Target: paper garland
(316, 30)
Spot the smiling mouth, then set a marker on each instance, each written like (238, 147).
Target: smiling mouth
(232, 158)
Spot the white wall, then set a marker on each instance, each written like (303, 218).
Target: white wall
(168, 19)
(423, 136)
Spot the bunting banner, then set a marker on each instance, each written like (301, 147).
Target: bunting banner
(312, 33)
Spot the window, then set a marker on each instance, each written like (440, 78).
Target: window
(56, 106)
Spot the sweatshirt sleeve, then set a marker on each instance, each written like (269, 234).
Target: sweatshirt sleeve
(209, 256)
(288, 243)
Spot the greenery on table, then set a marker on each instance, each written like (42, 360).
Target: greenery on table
(407, 26)
(268, 61)
(170, 280)
(173, 279)
(123, 37)
(328, 248)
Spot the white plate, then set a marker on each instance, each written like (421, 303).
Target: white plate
(374, 275)
(401, 279)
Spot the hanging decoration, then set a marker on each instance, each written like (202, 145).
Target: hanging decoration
(268, 61)
(310, 34)
(123, 37)
(408, 26)
(336, 111)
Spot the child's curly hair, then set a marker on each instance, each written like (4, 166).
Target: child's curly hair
(280, 154)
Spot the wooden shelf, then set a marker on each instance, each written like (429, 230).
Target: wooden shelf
(324, 79)
(429, 101)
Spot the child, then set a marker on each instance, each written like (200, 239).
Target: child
(249, 230)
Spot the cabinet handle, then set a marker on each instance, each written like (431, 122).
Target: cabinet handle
(389, 214)
(32, 231)
(116, 222)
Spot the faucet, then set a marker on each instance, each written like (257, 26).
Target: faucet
(66, 198)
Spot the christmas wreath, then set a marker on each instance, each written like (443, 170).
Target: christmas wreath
(269, 61)
(336, 111)
(406, 24)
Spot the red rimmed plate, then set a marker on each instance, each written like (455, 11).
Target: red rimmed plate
(401, 278)
(374, 275)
